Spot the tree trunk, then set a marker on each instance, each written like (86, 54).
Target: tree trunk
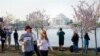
(96, 41)
(82, 37)
(37, 33)
(82, 41)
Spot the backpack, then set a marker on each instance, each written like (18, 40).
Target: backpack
(98, 49)
(71, 48)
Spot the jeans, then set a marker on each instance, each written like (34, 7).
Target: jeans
(16, 45)
(28, 53)
(44, 52)
(2, 44)
(75, 47)
(86, 44)
(85, 48)
(8, 40)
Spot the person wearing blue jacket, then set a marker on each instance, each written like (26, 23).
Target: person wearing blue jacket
(8, 34)
(86, 42)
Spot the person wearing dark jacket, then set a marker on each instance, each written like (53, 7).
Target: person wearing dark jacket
(16, 39)
(75, 40)
(86, 42)
(3, 38)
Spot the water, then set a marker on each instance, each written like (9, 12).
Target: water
(53, 38)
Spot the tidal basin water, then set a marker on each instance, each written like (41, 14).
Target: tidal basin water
(53, 38)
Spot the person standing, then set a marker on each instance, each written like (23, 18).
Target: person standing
(43, 44)
(75, 40)
(86, 42)
(27, 42)
(61, 34)
(9, 32)
(16, 39)
(3, 38)
(36, 49)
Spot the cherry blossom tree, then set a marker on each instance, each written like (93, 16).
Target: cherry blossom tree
(37, 19)
(86, 16)
(7, 20)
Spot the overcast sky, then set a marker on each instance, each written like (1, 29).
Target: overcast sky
(20, 8)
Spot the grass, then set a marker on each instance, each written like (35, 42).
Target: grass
(13, 52)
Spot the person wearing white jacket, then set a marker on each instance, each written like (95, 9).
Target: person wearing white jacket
(43, 44)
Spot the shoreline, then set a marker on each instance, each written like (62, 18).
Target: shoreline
(66, 48)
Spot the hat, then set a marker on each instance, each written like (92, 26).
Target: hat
(27, 27)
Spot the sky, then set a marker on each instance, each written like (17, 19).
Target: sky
(20, 8)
